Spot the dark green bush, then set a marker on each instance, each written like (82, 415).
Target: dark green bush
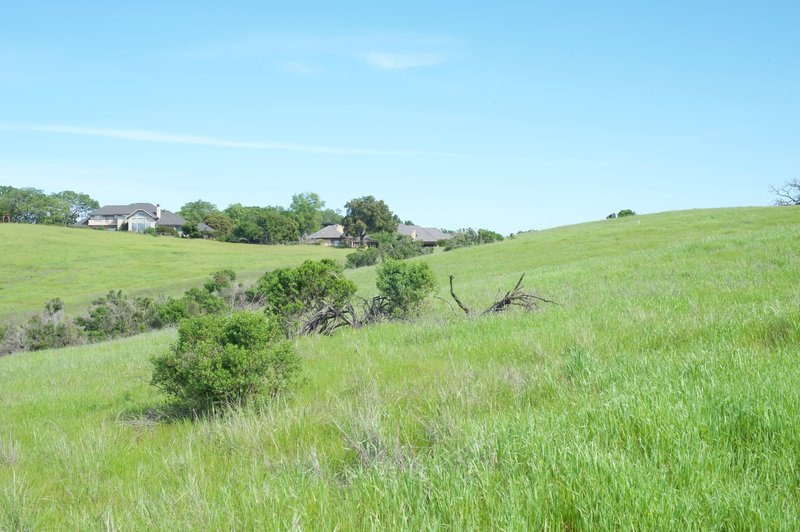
(227, 360)
(362, 257)
(200, 301)
(173, 311)
(626, 212)
(166, 231)
(291, 293)
(396, 246)
(405, 285)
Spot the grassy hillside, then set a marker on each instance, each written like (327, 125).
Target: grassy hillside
(663, 392)
(39, 263)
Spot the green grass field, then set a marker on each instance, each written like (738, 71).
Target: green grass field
(662, 392)
(39, 263)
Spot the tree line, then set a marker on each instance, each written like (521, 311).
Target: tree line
(272, 224)
(34, 206)
(305, 215)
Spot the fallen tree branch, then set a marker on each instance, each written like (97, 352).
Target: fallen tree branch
(458, 301)
(517, 297)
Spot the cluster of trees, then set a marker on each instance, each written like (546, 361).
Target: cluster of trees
(260, 225)
(279, 225)
(621, 214)
(33, 206)
(471, 237)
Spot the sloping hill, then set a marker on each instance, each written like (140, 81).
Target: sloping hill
(662, 392)
(39, 263)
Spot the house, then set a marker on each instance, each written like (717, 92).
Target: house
(135, 217)
(429, 236)
(333, 235)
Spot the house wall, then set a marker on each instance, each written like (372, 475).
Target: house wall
(139, 221)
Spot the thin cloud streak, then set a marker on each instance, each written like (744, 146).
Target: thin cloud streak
(387, 61)
(171, 138)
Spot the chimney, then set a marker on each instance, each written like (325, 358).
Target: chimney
(158, 211)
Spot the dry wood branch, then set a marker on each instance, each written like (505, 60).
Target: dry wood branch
(517, 297)
(455, 298)
(329, 318)
(514, 297)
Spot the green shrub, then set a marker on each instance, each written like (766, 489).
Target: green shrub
(220, 281)
(115, 314)
(227, 360)
(405, 285)
(150, 231)
(626, 212)
(362, 257)
(166, 231)
(471, 237)
(393, 245)
(49, 330)
(173, 311)
(200, 301)
(291, 293)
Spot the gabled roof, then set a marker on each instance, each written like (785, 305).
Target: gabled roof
(115, 210)
(423, 234)
(328, 232)
(168, 218)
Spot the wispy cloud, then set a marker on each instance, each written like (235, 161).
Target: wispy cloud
(300, 68)
(407, 50)
(172, 138)
(389, 61)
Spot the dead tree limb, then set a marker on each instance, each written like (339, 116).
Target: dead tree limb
(455, 298)
(517, 297)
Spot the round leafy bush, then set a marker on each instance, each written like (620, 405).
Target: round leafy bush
(226, 360)
(405, 284)
(363, 257)
(291, 293)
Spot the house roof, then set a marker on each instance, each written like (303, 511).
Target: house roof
(328, 232)
(111, 210)
(423, 234)
(168, 218)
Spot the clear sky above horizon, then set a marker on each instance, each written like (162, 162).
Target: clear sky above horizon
(510, 116)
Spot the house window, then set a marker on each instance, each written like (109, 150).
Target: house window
(138, 223)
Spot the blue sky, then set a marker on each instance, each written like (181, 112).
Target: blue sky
(510, 116)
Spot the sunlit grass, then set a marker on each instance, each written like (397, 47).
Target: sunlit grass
(662, 392)
(39, 263)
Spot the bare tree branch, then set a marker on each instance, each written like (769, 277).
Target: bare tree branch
(455, 298)
(788, 194)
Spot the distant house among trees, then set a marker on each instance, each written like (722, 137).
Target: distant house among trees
(334, 235)
(429, 236)
(136, 217)
(331, 235)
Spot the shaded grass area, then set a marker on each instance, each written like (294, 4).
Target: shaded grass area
(39, 263)
(663, 392)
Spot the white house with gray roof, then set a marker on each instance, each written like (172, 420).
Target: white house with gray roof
(136, 217)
